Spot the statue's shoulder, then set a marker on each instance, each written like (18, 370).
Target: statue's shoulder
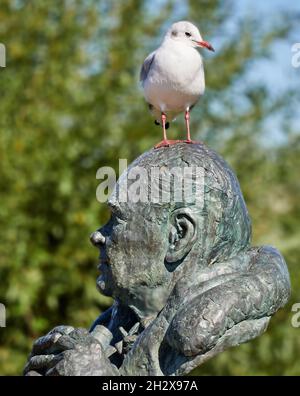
(258, 275)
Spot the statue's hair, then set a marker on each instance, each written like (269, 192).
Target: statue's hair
(223, 217)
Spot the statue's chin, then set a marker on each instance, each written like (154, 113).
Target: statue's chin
(104, 286)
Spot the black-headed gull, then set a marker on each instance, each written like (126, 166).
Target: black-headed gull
(173, 76)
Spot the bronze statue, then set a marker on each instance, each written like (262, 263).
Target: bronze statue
(186, 282)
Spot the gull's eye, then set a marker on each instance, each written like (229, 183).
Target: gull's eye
(188, 34)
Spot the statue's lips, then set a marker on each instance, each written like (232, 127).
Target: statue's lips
(102, 263)
(105, 270)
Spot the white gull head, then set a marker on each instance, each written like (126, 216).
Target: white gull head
(186, 33)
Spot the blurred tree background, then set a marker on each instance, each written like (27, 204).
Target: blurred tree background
(70, 103)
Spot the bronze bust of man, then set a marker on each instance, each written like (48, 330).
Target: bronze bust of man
(186, 282)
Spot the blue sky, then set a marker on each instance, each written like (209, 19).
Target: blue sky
(277, 73)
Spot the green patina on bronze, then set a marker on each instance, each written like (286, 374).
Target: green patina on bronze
(186, 282)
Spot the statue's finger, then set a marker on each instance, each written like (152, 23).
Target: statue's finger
(53, 372)
(56, 371)
(44, 343)
(53, 344)
(64, 343)
(63, 330)
(79, 333)
(33, 373)
(41, 362)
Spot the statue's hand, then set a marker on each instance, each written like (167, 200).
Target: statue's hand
(67, 351)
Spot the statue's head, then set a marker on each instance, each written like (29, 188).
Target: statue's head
(161, 229)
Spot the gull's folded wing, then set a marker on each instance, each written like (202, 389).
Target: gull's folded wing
(146, 66)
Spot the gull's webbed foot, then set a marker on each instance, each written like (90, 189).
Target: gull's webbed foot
(166, 143)
(192, 141)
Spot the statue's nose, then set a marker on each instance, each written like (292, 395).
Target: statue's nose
(97, 238)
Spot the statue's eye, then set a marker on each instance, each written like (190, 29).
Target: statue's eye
(188, 34)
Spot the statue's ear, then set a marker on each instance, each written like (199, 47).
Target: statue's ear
(182, 235)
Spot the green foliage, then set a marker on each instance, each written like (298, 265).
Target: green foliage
(70, 103)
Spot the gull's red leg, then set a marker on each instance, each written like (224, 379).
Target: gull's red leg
(165, 142)
(163, 122)
(187, 124)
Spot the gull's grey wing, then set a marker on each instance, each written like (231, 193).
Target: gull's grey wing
(146, 66)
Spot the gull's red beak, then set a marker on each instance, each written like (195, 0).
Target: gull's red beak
(205, 44)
